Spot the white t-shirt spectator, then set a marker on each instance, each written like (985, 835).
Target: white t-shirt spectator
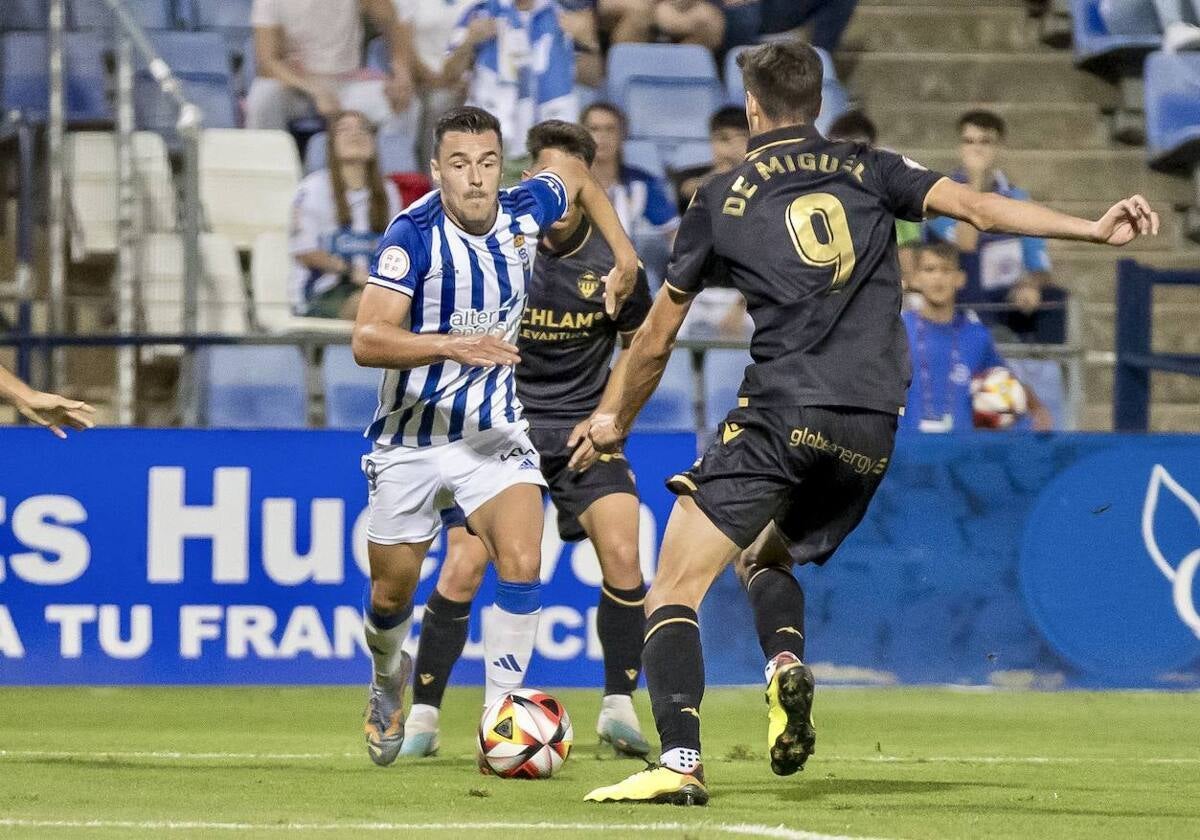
(315, 228)
(433, 23)
(322, 37)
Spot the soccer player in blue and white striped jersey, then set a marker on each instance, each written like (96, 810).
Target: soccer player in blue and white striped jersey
(440, 315)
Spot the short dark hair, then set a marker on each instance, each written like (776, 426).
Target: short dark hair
(939, 248)
(467, 119)
(731, 116)
(608, 108)
(853, 123)
(987, 120)
(785, 78)
(566, 137)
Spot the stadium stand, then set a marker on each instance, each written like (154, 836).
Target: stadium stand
(247, 181)
(667, 90)
(1116, 58)
(23, 14)
(200, 61)
(834, 99)
(92, 189)
(222, 299)
(1173, 111)
(723, 370)
(351, 392)
(644, 155)
(25, 78)
(229, 18)
(95, 14)
(670, 407)
(253, 387)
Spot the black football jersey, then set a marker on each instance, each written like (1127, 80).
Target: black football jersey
(567, 339)
(805, 230)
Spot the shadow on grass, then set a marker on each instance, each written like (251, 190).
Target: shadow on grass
(807, 789)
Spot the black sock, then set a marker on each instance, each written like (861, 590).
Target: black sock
(443, 636)
(674, 666)
(621, 626)
(778, 603)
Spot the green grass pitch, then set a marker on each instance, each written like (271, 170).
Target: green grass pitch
(890, 763)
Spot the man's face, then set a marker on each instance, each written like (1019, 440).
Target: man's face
(467, 169)
(606, 131)
(728, 148)
(937, 278)
(978, 148)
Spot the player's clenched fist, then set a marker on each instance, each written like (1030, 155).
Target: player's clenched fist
(604, 433)
(1125, 221)
(482, 351)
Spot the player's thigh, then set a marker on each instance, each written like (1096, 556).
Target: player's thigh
(510, 526)
(395, 573)
(463, 567)
(403, 486)
(611, 522)
(693, 553)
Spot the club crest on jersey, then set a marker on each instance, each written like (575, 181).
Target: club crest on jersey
(588, 284)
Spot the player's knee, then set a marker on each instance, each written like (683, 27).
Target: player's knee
(460, 582)
(519, 564)
(390, 596)
(620, 564)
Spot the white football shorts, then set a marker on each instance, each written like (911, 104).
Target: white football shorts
(410, 486)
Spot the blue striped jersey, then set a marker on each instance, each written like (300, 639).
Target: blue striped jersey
(460, 284)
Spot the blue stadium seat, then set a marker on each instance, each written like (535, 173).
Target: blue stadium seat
(316, 152)
(396, 153)
(667, 90)
(1173, 111)
(670, 408)
(24, 14)
(1099, 51)
(220, 15)
(252, 387)
(201, 63)
(733, 74)
(1045, 376)
(351, 392)
(689, 153)
(723, 372)
(95, 14)
(644, 155)
(25, 83)
(378, 57)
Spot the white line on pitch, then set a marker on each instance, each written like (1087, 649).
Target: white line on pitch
(166, 755)
(742, 829)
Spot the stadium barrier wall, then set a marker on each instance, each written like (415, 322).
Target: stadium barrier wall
(169, 556)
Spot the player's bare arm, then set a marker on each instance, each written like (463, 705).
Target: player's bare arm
(50, 411)
(585, 453)
(1125, 221)
(647, 359)
(582, 188)
(382, 340)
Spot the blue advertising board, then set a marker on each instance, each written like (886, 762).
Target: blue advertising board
(170, 556)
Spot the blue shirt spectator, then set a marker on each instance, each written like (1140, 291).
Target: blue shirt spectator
(522, 65)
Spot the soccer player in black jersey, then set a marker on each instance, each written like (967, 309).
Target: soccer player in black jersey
(566, 343)
(805, 229)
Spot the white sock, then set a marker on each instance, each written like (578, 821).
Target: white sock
(681, 760)
(386, 647)
(507, 647)
(422, 718)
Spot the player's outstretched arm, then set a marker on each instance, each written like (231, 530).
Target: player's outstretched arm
(47, 410)
(1125, 221)
(647, 359)
(382, 339)
(582, 188)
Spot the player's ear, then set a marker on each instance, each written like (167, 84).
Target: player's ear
(435, 171)
(526, 174)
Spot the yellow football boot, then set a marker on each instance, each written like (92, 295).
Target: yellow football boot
(658, 785)
(791, 736)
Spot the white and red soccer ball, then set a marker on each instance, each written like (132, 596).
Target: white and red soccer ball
(997, 398)
(525, 734)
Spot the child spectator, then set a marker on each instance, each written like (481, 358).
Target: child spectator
(728, 136)
(947, 348)
(432, 26)
(338, 215)
(309, 58)
(1176, 19)
(1000, 268)
(522, 69)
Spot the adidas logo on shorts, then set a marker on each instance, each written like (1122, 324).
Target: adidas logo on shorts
(527, 464)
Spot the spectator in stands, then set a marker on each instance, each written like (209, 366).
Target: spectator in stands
(580, 21)
(728, 136)
(1177, 20)
(825, 20)
(857, 127)
(432, 26)
(338, 215)
(677, 21)
(309, 58)
(1000, 269)
(521, 66)
(948, 347)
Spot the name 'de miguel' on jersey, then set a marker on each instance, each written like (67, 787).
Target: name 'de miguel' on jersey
(782, 163)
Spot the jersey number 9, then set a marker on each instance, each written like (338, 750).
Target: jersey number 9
(837, 251)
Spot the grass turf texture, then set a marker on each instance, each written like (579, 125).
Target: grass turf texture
(891, 763)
